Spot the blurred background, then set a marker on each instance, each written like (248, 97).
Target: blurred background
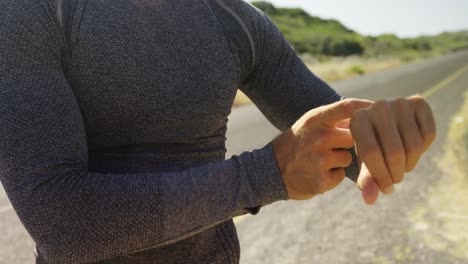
(367, 49)
(341, 39)
(376, 50)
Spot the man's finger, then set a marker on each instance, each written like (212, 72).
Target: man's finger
(425, 119)
(334, 113)
(338, 159)
(409, 132)
(369, 189)
(369, 150)
(340, 139)
(389, 138)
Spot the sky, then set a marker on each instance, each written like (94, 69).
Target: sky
(405, 18)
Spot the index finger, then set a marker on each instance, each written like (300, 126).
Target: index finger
(334, 113)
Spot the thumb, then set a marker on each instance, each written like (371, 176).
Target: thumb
(370, 190)
(335, 113)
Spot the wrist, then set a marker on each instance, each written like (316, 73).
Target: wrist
(282, 150)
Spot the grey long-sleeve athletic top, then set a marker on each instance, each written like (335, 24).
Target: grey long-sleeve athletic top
(113, 117)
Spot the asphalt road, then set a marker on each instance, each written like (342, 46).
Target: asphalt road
(336, 227)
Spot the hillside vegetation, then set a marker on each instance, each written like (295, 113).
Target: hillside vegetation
(316, 36)
(335, 52)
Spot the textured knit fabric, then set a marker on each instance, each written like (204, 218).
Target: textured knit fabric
(113, 118)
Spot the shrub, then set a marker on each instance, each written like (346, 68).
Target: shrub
(357, 69)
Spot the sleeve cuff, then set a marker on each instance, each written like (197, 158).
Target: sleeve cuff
(264, 178)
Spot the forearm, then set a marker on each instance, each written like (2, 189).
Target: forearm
(80, 217)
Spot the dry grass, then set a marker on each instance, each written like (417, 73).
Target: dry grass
(442, 223)
(343, 68)
(457, 146)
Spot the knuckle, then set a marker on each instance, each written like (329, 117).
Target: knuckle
(398, 178)
(399, 101)
(417, 99)
(381, 104)
(419, 102)
(381, 109)
(400, 104)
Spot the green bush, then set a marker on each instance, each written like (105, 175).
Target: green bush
(338, 47)
(265, 7)
(313, 35)
(316, 36)
(357, 69)
(409, 56)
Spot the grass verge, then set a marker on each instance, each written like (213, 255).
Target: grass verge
(442, 223)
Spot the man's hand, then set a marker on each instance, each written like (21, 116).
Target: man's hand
(310, 155)
(390, 138)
